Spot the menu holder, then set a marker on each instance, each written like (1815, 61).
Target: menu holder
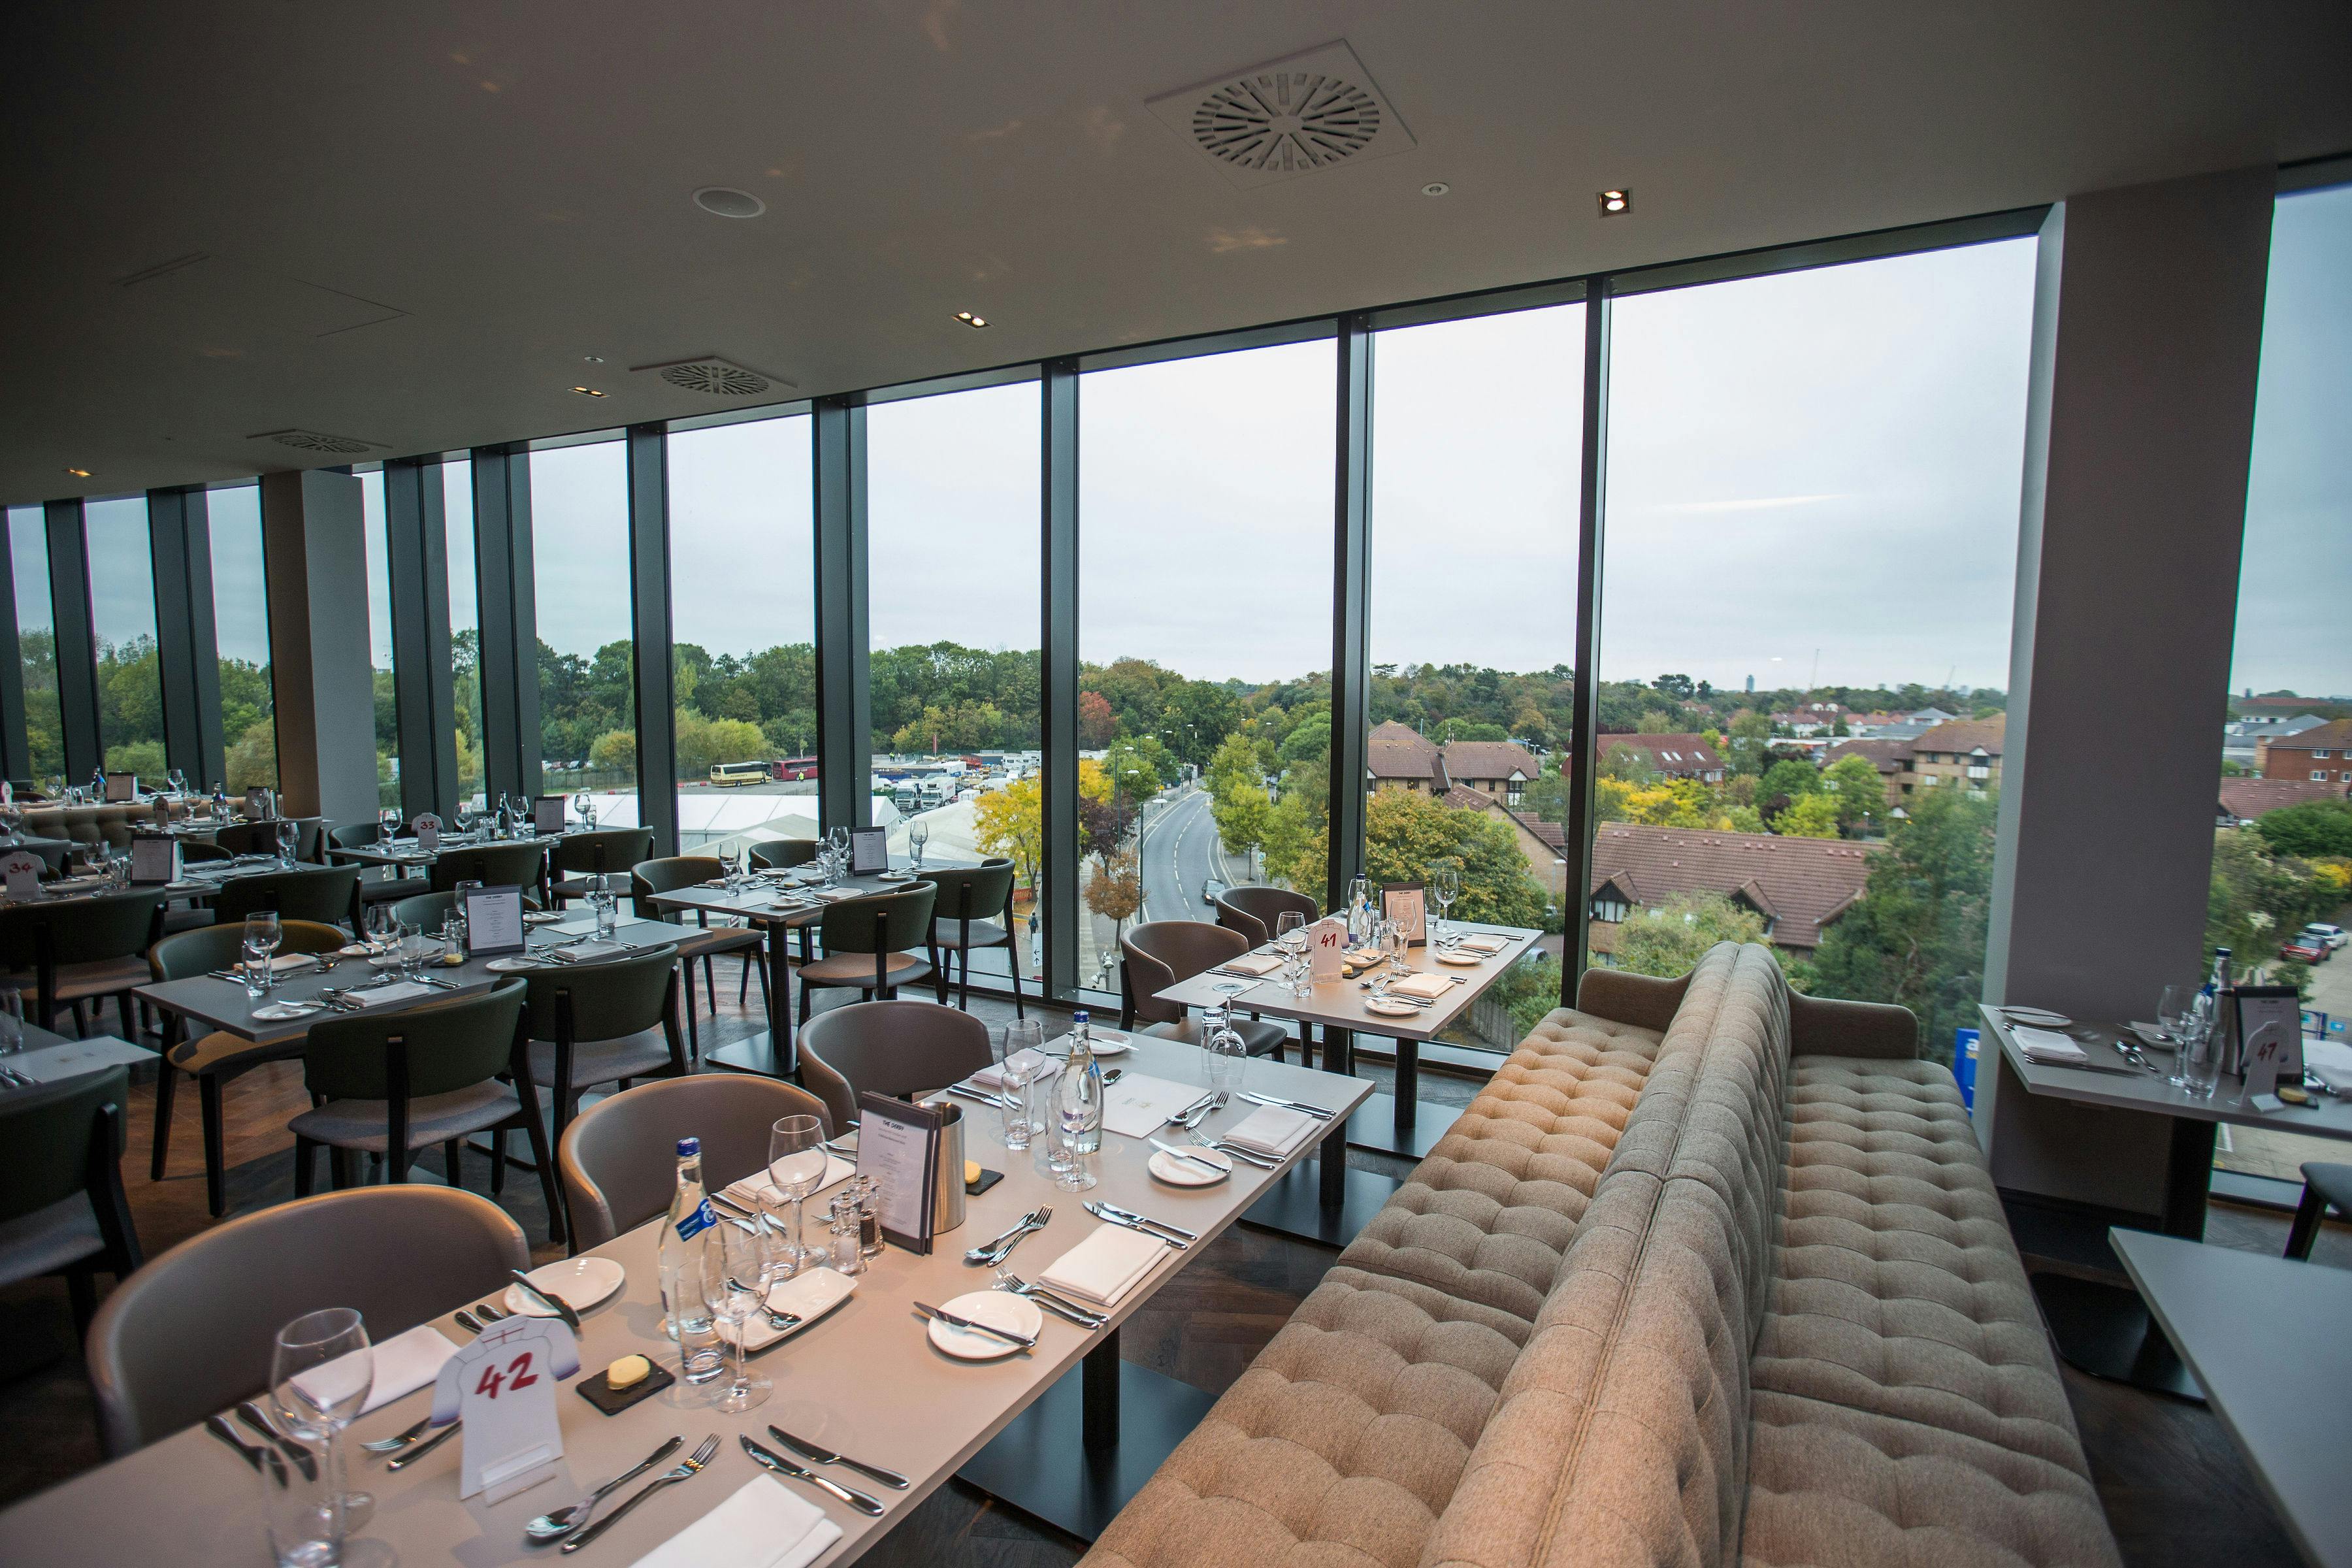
(903, 1144)
(154, 860)
(547, 814)
(493, 920)
(121, 787)
(23, 872)
(2270, 1026)
(1406, 904)
(869, 850)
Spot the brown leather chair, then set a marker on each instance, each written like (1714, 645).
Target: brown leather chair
(1157, 955)
(1255, 911)
(618, 1157)
(901, 1048)
(192, 1332)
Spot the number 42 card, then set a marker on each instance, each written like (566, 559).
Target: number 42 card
(503, 1386)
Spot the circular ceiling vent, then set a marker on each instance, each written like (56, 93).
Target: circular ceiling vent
(725, 200)
(716, 378)
(314, 441)
(1285, 122)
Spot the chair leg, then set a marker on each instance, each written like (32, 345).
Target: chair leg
(963, 987)
(83, 1291)
(166, 1082)
(693, 1036)
(1013, 962)
(208, 1100)
(81, 1018)
(2305, 1228)
(710, 985)
(743, 984)
(939, 974)
(497, 1162)
(453, 1155)
(303, 1151)
(542, 1150)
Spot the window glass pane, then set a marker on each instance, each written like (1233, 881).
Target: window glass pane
(1809, 569)
(580, 564)
(241, 628)
(2286, 754)
(1474, 566)
(952, 508)
(122, 623)
(1204, 634)
(379, 570)
(464, 623)
(743, 595)
(37, 640)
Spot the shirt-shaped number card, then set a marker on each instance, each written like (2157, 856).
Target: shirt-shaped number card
(427, 827)
(503, 1386)
(23, 869)
(1326, 950)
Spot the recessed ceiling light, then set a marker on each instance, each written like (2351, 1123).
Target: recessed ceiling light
(1435, 188)
(1616, 203)
(587, 392)
(969, 319)
(593, 359)
(78, 473)
(726, 201)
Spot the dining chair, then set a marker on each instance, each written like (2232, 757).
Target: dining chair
(1159, 953)
(902, 1049)
(783, 854)
(325, 894)
(71, 950)
(424, 912)
(866, 943)
(2324, 1186)
(618, 1157)
(196, 852)
(192, 1332)
(397, 1082)
(604, 1021)
(521, 863)
(982, 899)
(62, 1210)
(248, 837)
(378, 884)
(582, 860)
(1256, 911)
(671, 873)
(214, 1058)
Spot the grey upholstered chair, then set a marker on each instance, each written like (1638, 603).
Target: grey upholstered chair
(2324, 1186)
(783, 854)
(191, 1332)
(606, 1022)
(865, 944)
(521, 864)
(71, 950)
(973, 908)
(1157, 955)
(424, 912)
(322, 893)
(62, 1206)
(214, 1058)
(1253, 912)
(618, 1156)
(582, 859)
(888, 1047)
(669, 874)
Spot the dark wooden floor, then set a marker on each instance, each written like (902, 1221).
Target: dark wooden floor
(2175, 1488)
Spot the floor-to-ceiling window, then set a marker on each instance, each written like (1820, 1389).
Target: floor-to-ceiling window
(1204, 636)
(1808, 571)
(1474, 546)
(241, 630)
(456, 479)
(380, 648)
(2286, 754)
(122, 623)
(743, 602)
(953, 530)
(580, 564)
(37, 641)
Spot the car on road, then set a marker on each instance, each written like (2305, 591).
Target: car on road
(1209, 891)
(2330, 937)
(2304, 950)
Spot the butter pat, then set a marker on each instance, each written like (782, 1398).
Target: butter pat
(627, 1372)
(970, 1172)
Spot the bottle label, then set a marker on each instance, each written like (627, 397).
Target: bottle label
(694, 1223)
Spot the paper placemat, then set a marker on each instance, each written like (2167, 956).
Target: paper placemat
(1138, 1105)
(75, 1057)
(382, 996)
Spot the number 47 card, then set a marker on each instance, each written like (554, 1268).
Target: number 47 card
(502, 1386)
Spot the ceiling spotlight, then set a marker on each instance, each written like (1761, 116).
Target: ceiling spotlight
(587, 392)
(1435, 188)
(78, 473)
(1616, 204)
(969, 319)
(726, 201)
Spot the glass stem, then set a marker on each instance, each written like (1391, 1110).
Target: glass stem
(800, 1252)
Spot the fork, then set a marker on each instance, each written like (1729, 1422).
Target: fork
(776, 1320)
(1249, 1155)
(400, 1440)
(1007, 1280)
(686, 1469)
(997, 1251)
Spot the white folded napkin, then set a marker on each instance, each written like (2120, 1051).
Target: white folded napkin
(587, 951)
(1023, 1062)
(762, 1525)
(398, 991)
(404, 1363)
(1271, 1129)
(757, 1188)
(286, 961)
(1427, 987)
(1254, 963)
(1106, 1265)
(2331, 1062)
(1483, 942)
(831, 893)
(2048, 1046)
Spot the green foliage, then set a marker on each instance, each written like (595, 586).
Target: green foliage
(1139, 769)
(1633, 764)
(1853, 784)
(615, 751)
(253, 760)
(1748, 738)
(2319, 827)
(1668, 939)
(144, 758)
(1790, 777)
(1809, 817)
(704, 744)
(1309, 740)
(1406, 832)
(2258, 899)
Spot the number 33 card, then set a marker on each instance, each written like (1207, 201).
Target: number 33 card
(503, 1386)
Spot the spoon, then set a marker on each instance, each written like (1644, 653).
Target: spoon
(564, 1520)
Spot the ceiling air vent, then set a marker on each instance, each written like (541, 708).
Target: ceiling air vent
(317, 441)
(715, 377)
(1290, 117)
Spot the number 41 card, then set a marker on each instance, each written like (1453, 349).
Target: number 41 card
(503, 1386)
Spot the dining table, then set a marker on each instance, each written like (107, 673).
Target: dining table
(1067, 1431)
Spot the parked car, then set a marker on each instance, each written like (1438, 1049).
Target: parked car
(1209, 891)
(2331, 937)
(2303, 949)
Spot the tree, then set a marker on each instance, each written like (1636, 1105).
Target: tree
(1809, 817)
(2256, 897)
(1853, 784)
(1010, 822)
(1116, 890)
(1406, 832)
(2319, 827)
(1097, 725)
(1790, 777)
(615, 751)
(1139, 769)
(704, 744)
(253, 761)
(1307, 740)
(1633, 764)
(1668, 940)
(1750, 735)
(1675, 686)
(1243, 815)
(1654, 724)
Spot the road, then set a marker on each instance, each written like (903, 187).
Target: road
(1179, 853)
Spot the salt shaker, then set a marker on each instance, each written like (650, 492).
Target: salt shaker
(848, 1256)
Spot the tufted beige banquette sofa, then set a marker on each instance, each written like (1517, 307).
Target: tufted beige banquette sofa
(1710, 1273)
(115, 824)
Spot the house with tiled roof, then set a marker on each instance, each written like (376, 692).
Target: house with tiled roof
(2319, 755)
(1799, 886)
(2243, 800)
(1674, 756)
(1499, 769)
(1398, 756)
(1962, 755)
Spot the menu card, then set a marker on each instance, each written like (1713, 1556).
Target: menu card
(1326, 949)
(1403, 903)
(154, 860)
(493, 920)
(869, 850)
(900, 1143)
(24, 874)
(120, 786)
(547, 814)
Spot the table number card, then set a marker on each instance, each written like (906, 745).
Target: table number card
(162, 810)
(427, 827)
(24, 874)
(1405, 903)
(1326, 950)
(493, 920)
(547, 814)
(869, 850)
(2270, 1023)
(900, 1143)
(154, 860)
(502, 1386)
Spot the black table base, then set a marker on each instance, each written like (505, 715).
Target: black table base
(1088, 1444)
(2107, 1330)
(1409, 1128)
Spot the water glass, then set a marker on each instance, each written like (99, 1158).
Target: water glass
(2173, 1010)
(2199, 1059)
(298, 1506)
(321, 1369)
(12, 1019)
(289, 837)
(736, 1274)
(607, 907)
(262, 935)
(417, 952)
(796, 1163)
(849, 1252)
(1223, 1056)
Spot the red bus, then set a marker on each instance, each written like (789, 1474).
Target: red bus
(793, 768)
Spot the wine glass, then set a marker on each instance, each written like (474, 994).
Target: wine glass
(289, 837)
(919, 835)
(1290, 936)
(796, 1162)
(736, 1274)
(320, 1369)
(383, 928)
(1395, 943)
(1445, 886)
(464, 816)
(262, 935)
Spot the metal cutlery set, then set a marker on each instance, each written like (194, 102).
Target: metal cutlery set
(15, 1080)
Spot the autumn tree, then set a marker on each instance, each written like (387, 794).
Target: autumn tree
(1097, 725)
(1115, 891)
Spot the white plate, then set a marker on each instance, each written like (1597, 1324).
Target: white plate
(1178, 1173)
(385, 961)
(1110, 1043)
(580, 1282)
(808, 1296)
(1380, 1007)
(356, 950)
(2041, 1016)
(542, 917)
(998, 1308)
(1467, 960)
(512, 965)
(286, 1012)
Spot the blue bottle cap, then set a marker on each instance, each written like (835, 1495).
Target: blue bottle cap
(1080, 1015)
(689, 1146)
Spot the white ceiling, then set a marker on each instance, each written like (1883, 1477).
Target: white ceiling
(479, 198)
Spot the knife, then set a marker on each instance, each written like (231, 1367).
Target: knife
(784, 1466)
(1315, 1112)
(808, 1450)
(1206, 1164)
(253, 1454)
(555, 1304)
(1139, 1229)
(1007, 1335)
(303, 1461)
(1176, 1230)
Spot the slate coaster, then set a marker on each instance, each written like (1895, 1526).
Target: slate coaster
(601, 1393)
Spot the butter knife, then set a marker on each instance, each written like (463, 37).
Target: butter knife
(555, 1304)
(784, 1467)
(1007, 1335)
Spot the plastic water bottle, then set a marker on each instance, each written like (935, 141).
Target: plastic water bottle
(1078, 1093)
(685, 1316)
